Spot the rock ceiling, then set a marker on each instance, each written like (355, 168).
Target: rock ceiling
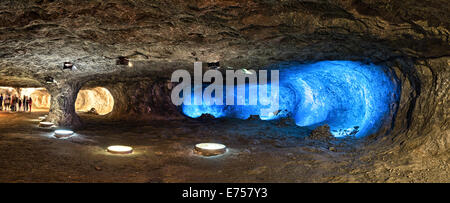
(36, 37)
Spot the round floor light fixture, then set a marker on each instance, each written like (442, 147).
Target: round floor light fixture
(120, 149)
(209, 149)
(63, 133)
(46, 124)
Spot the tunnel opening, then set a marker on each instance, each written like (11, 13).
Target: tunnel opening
(38, 97)
(96, 100)
(352, 98)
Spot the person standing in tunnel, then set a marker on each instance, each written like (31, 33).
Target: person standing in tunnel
(30, 102)
(16, 102)
(7, 100)
(13, 103)
(1, 102)
(25, 103)
(10, 102)
(20, 103)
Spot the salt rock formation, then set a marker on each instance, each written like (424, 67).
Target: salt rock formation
(158, 37)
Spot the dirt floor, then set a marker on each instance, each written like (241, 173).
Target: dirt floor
(259, 151)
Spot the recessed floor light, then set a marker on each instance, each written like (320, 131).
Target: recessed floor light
(120, 149)
(46, 124)
(63, 133)
(210, 149)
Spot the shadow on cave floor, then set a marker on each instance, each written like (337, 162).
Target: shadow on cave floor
(258, 152)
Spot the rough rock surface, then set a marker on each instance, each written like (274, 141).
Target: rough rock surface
(206, 117)
(411, 37)
(143, 99)
(62, 108)
(321, 133)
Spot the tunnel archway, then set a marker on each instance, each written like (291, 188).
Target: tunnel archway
(97, 100)
(40, 97)
(353, 98)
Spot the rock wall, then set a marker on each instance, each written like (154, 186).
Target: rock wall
(143, 100)
(422, 121)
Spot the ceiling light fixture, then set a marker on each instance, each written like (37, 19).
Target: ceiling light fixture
(68, 65)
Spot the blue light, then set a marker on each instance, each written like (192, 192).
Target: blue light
(351, 97)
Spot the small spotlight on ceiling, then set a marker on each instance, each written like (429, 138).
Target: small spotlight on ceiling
(122, 60)
(63, 133)
(120, 149)
(210, 149)
(214, 65)
(49, 79)
(46, 124)
(68, 65)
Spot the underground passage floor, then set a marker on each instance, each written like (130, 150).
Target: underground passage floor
(164, 153)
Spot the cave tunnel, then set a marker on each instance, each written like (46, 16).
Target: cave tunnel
(361, 91)
(352, 98)
(40, 97)
(97, 100)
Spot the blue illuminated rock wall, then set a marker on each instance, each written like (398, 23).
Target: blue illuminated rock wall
(351, 97)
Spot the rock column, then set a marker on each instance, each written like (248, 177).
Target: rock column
(62, 105)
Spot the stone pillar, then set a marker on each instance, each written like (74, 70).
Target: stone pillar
(62, 104)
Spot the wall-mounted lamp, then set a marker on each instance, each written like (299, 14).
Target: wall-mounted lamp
(214, 65)
(122, 60)
(49, 79)
(67, 65)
